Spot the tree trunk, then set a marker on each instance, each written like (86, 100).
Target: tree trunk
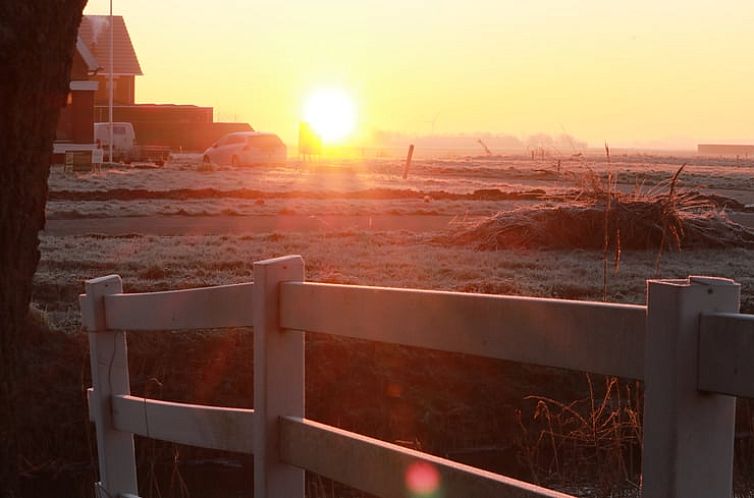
(37, 39)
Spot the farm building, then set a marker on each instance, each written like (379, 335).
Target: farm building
(186, 127)
(725, 150)
(180, 127)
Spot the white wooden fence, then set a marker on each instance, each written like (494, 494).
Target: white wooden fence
(689, 345)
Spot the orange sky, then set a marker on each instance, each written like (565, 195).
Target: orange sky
(664, 73)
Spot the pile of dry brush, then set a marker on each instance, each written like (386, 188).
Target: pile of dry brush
(602, 217)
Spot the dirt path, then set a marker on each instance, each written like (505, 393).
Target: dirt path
(212, 225)
(208, 225)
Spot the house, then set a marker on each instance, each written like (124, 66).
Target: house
(75, 131)
(90, 81)
(181, 127)
(94, 33)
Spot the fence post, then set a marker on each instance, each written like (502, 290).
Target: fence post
(109, 364)
(278, 378)
(688, 434)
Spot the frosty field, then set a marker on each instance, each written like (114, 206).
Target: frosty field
(178, 227)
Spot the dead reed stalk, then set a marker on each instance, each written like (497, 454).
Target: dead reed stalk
(596, 439)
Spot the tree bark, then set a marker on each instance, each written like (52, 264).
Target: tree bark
(37, 39)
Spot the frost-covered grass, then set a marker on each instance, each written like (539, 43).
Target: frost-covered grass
(457, 175)
(70, 209)
(401, 259)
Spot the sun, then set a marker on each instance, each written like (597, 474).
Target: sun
(331, 114)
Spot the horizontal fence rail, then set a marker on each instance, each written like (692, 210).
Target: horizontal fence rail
(203, 308)
(726, 354)
(213, 427)
(577, 335)
(219, 428)
(385, 469)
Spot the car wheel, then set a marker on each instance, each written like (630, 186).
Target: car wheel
(234, 161)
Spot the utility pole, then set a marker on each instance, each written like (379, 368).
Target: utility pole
(110, 100)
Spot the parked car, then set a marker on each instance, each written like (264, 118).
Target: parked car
(245, 148)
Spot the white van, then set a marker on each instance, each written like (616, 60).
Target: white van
(123, 139)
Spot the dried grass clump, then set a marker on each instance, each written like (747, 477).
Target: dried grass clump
(602, 217)
(594, 441)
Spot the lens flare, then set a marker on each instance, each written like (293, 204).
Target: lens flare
(423, 480)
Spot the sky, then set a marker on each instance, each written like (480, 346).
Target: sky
(640, 73)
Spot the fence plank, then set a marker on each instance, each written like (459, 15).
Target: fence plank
(578, 335)
(726, 354)
(388, 470)
(109, 364)
(688, 434)
(229, 429)
(278, 378)
(202, 308)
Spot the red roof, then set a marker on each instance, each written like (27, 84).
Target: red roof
(94, 31)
